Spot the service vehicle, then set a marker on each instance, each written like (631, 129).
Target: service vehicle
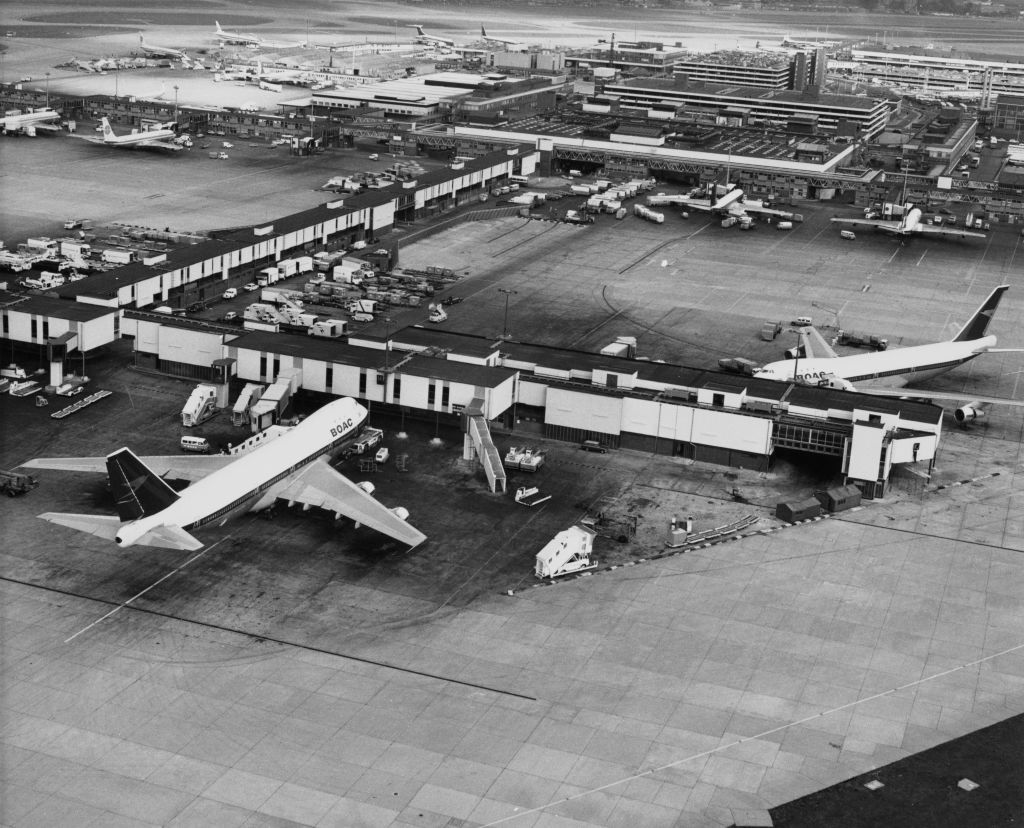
(249, 287)
(15, 483)
(230, 293)
(200, 445)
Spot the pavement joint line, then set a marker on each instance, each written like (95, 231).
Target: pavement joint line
(260, 638)
(159, 581)
(763, 734)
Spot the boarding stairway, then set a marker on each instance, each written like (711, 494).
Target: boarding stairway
(477, 440)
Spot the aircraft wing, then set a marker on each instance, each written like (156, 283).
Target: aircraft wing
(951, 396)
(815, 345)
(167, 145)
(877, 224)
(177, 466)
(320, 485)
(756, 210)
(933, 230)
(695, 204)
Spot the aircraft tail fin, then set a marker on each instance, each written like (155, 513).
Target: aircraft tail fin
(977, 325)
(420, 32)
(138, 490)
(108, 133)
(217, 24)
(482, 32)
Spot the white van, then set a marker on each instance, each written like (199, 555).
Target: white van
(785, 225)
(802, 321)
(847, 234)
(231, 293)
(199, 445)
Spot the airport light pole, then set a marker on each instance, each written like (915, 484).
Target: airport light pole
(175, 104)
(47, 90)
(504, 327)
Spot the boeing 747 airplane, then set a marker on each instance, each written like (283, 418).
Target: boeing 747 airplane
(867, 372)
(29, 123)
(723, 200)
(909, 225)
(293, 467)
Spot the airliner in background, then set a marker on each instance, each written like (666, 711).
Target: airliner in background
(29, 123)
(146, 139)
(423, 37)
(293, 467)
(493, 39)
(235, 37)
(909, 225)
(160, 51)
(871, 372)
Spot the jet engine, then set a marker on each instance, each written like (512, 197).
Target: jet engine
(969, 413)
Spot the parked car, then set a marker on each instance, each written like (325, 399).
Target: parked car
(231, 293)
(230, 316)
(374, 156)
(250, 287)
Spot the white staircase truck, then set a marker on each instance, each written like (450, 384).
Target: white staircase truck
(568, 552)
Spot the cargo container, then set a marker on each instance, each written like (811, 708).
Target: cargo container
(75, 249)
(115, 256)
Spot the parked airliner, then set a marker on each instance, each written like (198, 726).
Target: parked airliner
(724, 200)
(502, 40)
(909, 225)
(235, 37)
(293, 467)
(146, 139)
(822, 366)
(160, 51)
(423, 37)
(29, 123)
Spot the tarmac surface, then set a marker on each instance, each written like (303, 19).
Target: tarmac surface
(299, 672)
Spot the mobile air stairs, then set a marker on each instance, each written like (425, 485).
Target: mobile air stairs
(477, 441)
(201, 405)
